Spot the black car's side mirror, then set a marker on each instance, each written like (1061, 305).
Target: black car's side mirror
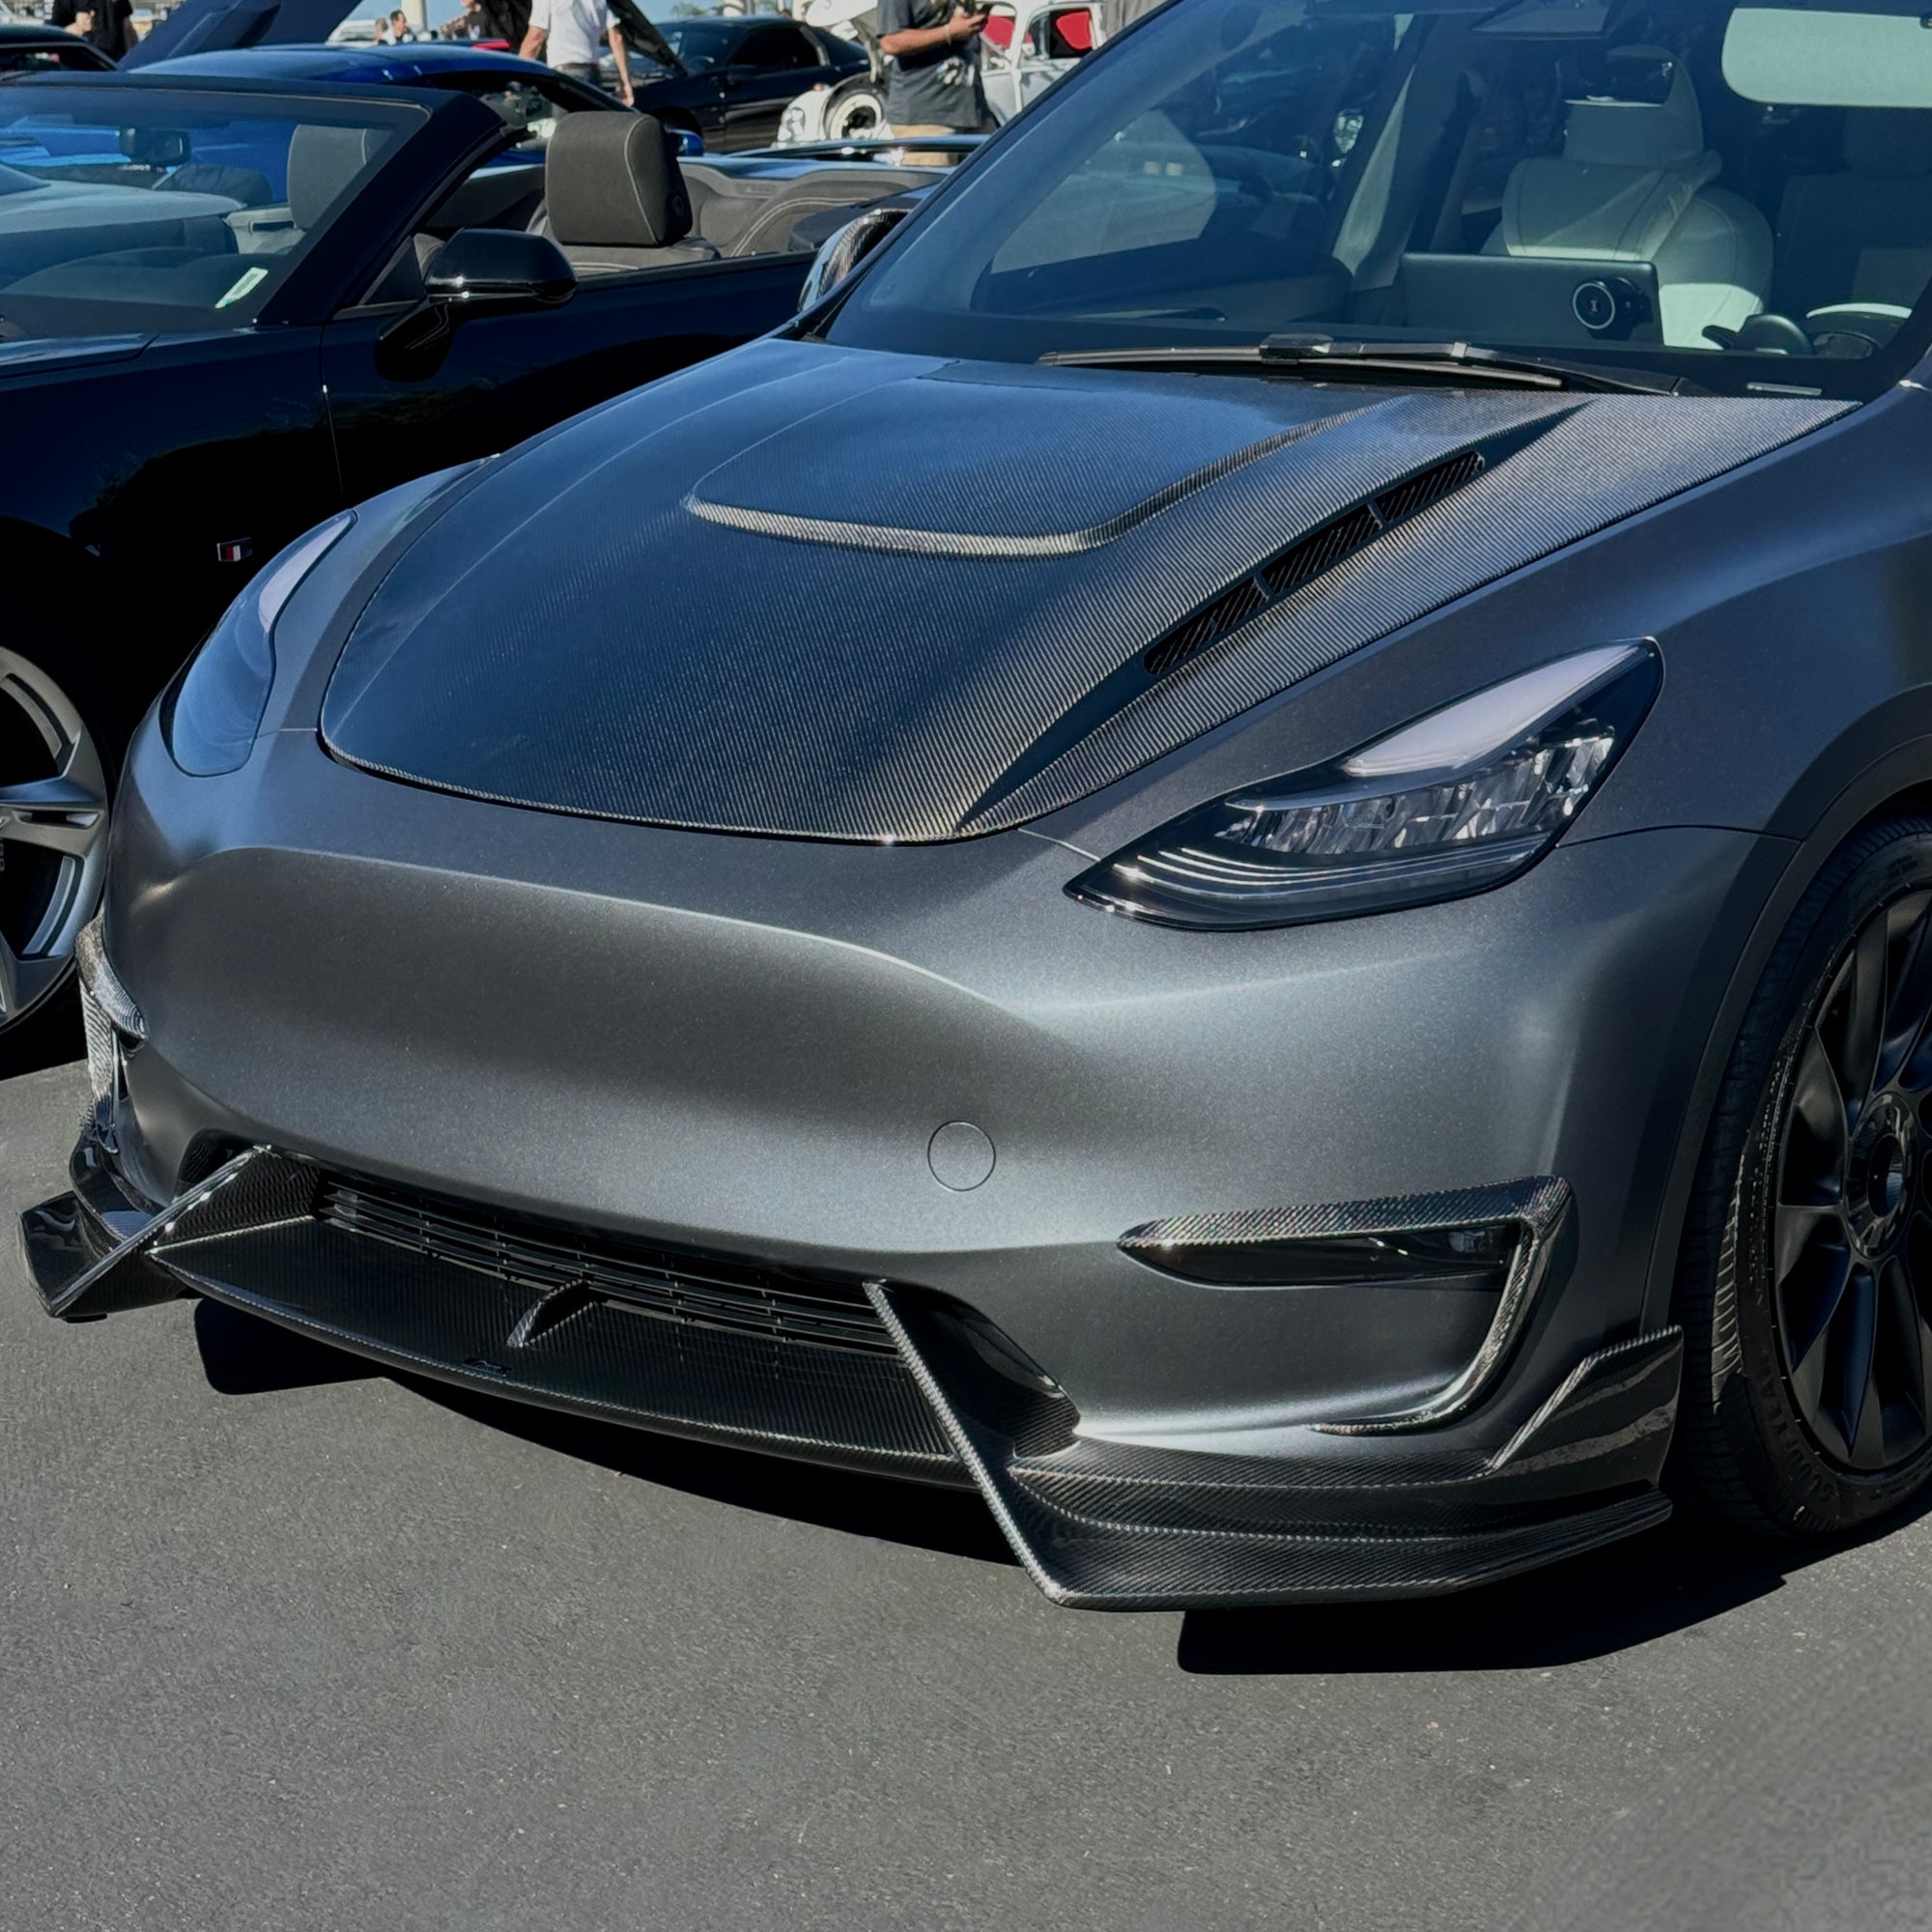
(496, 269)
(476, 272)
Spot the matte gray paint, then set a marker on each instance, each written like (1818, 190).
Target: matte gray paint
(603, 1022)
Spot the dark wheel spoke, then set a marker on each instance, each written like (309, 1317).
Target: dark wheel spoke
(1818, 1106)
(1855, 1394)
(1796, 1228)
(1859, 1009)
(1906, 1350)
(1908, 1001)
(1810, 1305)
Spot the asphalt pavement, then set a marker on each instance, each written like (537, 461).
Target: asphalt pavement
(286, 1642)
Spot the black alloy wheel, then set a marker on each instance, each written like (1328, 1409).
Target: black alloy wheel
(1852, 1225)
(1804, 1282)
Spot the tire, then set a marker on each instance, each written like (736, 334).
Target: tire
(856, 116)
(53, 843)
(1805, 1281)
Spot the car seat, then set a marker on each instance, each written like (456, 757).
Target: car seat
(1633, 185)
(613, 196)
(1865, 235)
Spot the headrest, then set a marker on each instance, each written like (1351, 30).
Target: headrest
(610, 180)
(1603, 130)
(322, 163)
(1888, 144)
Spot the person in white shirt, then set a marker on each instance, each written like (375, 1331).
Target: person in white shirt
(565, 34)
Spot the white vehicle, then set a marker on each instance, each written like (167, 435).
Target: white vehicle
(1029, 45)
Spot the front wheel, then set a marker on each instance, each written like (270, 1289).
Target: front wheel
(1804, 1286)
(859, 115)
(54, 794)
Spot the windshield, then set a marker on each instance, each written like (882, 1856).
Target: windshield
(1739, 197)
(123, 209)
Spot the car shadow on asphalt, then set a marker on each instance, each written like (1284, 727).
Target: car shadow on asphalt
(1675, 1578)
(241, 1356)
(244, 1355)
(1611, 1600)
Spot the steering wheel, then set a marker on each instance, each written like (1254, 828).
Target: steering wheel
(1852, 330)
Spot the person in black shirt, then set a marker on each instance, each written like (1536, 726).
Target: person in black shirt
(109, 24)
(932, 73)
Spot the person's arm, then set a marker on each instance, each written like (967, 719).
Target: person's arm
(621, 54)
(963, 26)
(539, 32)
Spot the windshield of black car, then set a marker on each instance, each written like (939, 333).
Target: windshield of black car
(1736, 195)
(142, 208)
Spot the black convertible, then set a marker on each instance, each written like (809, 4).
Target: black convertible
(228, 308)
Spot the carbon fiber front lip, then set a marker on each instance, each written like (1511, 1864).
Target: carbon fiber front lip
(1097, 1524)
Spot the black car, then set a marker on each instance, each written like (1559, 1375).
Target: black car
(228, 309)
(26, 49)
(730, 80)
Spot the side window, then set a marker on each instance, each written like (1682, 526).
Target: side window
(776, 48)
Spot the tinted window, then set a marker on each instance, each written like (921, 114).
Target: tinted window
(701, 43)
(776, 48)
(76, 59)
(1736, 195)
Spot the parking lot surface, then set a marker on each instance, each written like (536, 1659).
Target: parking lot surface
(288, 1642)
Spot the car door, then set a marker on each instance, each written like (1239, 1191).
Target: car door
(770, 68)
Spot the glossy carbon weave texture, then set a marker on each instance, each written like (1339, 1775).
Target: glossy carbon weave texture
(268, 1233)
(1097, 1523)
(1109, 1526)
(1538, 1204)
(798, 662)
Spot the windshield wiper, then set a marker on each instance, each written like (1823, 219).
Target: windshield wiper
(1360, 362)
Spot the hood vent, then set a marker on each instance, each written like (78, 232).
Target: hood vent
(1311, 557)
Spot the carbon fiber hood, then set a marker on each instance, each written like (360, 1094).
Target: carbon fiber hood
(841, 594)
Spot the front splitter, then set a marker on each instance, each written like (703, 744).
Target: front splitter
(1097, 1525)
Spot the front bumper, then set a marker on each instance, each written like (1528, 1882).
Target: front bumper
(560, 1044)
(928, 1391)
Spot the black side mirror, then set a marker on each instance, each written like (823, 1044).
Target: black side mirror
(476, 272)
(844, 250)
(498, 269)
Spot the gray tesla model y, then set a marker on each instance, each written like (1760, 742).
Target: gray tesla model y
(1243, 849)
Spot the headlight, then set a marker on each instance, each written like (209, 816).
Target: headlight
(1461, 801)
(218, 710)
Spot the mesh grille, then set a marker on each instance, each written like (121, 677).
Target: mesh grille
(1316, 553)
(697, 1291)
